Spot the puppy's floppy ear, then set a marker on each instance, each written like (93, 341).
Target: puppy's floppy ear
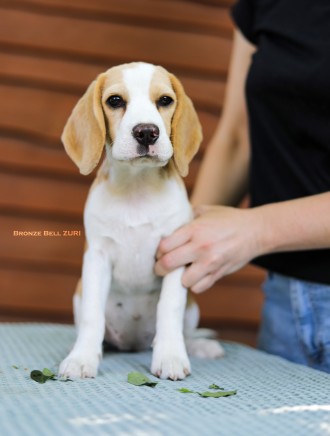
(85, 131)
(186, 133)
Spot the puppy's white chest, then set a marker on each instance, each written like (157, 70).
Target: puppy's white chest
(129, 228)
(133, 252)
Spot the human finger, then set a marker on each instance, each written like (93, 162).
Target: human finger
(181, 256)
(173, 241)
(202, 285)
(208, 280)
(194, 273)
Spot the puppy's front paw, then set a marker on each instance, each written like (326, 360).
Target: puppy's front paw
(80, 366)
(170, 361)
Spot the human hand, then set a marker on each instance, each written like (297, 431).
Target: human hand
(219, 241)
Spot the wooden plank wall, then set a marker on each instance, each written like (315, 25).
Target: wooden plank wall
(50, 50)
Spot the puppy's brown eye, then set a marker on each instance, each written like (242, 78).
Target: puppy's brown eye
(115, 101)
(164, 101)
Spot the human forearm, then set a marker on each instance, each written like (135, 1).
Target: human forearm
(300, 224)
(223, 239)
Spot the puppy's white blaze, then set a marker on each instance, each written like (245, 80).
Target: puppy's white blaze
(138, 79)
(140, 109)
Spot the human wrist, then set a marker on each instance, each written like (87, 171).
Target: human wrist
(262, 233)
(274, 234)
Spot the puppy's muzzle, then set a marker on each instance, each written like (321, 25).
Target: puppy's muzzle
(146, 135)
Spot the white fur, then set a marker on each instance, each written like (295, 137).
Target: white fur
(140, 110)
(126, 214)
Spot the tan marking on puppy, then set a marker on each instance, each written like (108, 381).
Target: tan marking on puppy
(161, 86)
(102, 173)
(114, 85)
(186, 133)
(78, 290)
(84, 133)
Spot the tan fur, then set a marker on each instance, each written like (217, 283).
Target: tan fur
(78, 290)
(186, 132)
(114, 85)
(85, 132)
(161, 85)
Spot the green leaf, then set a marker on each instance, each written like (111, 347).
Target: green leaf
(214, 386)
(38, 376)
(43, 376)
(15, 367)
(48, 373)
(186, 391)
(139, 379)
(217, 394)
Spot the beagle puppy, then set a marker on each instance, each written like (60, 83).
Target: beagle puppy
(140, 114)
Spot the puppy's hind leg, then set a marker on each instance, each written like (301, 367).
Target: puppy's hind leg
(200, 342)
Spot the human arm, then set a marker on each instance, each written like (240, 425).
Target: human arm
(223, 239)
(223, 174)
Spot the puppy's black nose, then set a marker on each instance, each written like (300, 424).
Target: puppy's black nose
(146, 134)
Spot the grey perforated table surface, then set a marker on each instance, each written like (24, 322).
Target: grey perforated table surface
(274, 397)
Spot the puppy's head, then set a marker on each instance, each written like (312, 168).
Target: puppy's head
(141, 113)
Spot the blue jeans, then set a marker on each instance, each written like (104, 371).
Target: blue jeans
(296, 321)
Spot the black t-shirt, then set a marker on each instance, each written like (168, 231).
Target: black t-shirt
(288, 99)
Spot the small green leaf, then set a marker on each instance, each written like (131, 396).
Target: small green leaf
(139, 379)
(43, 376)
(214, 386)
(186, 391)
(38, 376)
(48, 373)
(217, 394)
(15, 367)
